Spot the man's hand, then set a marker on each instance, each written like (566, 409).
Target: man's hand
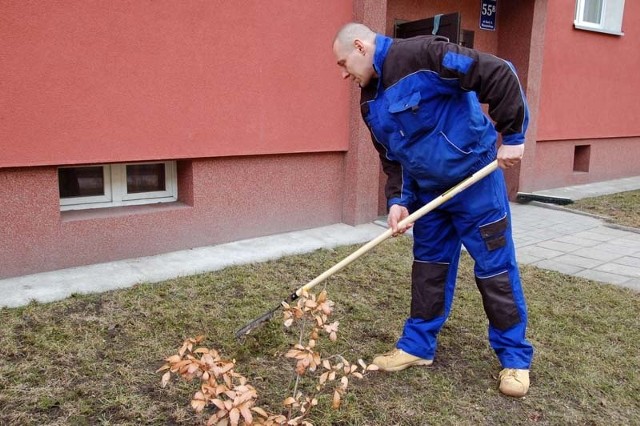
(396, 214)
(510, 155)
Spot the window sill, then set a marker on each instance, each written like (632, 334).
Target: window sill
(113, 212)
(597, 30)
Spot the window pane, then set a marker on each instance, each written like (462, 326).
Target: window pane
(592, 11)
(81, 181)
(145, 178)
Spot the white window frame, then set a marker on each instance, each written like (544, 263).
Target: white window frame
(115, 189)
(610, 17)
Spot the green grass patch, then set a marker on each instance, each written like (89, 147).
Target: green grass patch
(92, 359)
(621, 208)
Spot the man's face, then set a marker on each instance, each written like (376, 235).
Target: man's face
(355, 61)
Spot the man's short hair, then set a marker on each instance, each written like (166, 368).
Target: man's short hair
(354, 31)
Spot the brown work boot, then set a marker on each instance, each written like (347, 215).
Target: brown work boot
(514, 382)
(397, 360)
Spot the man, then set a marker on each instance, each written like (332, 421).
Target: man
(420, 98)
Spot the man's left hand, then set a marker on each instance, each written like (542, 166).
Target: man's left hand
(510, 155)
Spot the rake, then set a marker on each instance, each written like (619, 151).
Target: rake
(252, 325)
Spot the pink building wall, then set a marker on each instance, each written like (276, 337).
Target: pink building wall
(88, 81)
(250, 105)
(589, 86)
(590, 80)
(247, 98)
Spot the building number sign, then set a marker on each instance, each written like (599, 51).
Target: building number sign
(488, 15)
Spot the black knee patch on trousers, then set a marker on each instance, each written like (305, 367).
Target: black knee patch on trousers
(428, 282)
(498, 301)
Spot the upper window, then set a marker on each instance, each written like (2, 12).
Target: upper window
(111, 185)
(599, 15)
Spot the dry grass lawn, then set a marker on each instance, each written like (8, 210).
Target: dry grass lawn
(91, 360)
(622, 208)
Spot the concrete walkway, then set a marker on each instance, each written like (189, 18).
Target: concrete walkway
(547, 237)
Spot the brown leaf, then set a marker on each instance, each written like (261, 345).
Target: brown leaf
(165, 378)
(246, 414)
(183, 349)
(164, 367)
(193, 368)
(228, 366)
(207, 359)
(336, 400)
(218, 403)
(201, 351)
(234, 416)
(293, 353)
(372, 367)
(260, 411)
(289, 401)
(244, 397)
(323, 377)
(173, 358)
(198, 402)
(344, 382)
(178, 365)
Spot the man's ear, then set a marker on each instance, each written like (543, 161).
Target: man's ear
(359, 46)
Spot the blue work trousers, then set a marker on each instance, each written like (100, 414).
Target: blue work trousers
(480, 218)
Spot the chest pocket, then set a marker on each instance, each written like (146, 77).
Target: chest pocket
(412, 115)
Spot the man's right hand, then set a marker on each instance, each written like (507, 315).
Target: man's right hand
(396, 214)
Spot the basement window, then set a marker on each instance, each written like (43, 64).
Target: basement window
(603, 16)
(114, 185)
(581, 158)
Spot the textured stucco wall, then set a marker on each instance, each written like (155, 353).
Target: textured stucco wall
(222, 199)
(610, 158)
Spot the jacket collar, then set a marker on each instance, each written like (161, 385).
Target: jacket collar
(383, 43)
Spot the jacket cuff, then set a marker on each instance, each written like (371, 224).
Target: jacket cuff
(397, 200)
(513, 139)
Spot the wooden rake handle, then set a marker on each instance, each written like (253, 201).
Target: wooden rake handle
(486, 170)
